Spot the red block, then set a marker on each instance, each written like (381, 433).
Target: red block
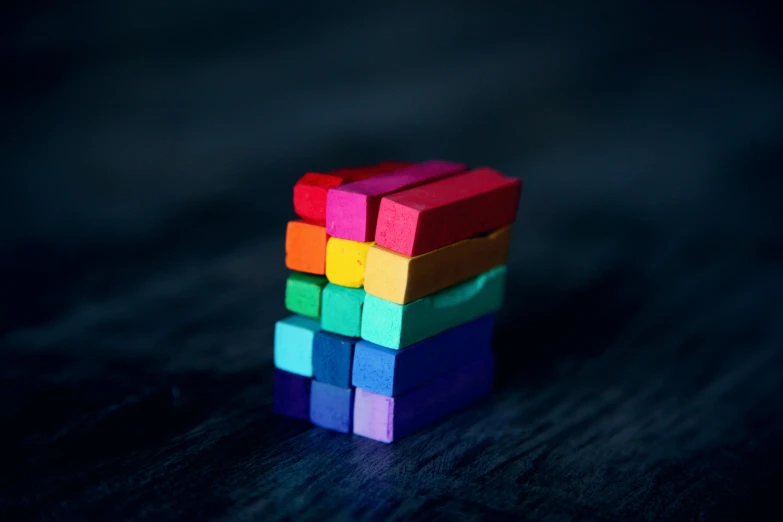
(431, 216)
(310, 190)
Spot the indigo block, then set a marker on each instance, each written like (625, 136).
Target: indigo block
(331, 407)
(387, 419)
(333, 358)
(291, 397)
(394, 372)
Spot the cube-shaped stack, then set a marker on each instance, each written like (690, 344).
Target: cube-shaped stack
(397, 273)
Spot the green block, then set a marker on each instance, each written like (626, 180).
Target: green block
(303, 294)
(397, 326)
(341, 310)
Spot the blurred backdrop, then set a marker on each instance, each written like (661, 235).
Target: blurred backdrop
(138, 132)
(148, 155)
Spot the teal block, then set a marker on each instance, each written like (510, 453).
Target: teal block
(396, 326)
(294, 337)
(341, 310)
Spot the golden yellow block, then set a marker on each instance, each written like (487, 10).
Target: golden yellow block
(346, 261)
(402, 279)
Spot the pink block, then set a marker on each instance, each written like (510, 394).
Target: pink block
(352, 209)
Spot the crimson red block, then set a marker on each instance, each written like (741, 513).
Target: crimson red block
(310, 190)
(431, 216)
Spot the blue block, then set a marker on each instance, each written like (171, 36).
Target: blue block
(387, 419)
(331, 407)
(393, 372)
(294, 344)
(332, 358)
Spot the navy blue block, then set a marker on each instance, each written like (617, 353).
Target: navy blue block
(291, 396)
(331, 407)
(394, 372)
(332, 358)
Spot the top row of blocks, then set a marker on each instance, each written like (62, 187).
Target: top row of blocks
(411, 209)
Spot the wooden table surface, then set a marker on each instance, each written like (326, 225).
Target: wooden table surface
(640, 348)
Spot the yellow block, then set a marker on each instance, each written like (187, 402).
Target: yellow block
(346, 261)
(402, 279)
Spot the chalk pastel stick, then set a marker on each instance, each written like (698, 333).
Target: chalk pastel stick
(305, 247)
(395, 372)
(310, 190)
(387, 419)
(294, 337)
(396, 326)
(291, 396)
(303, 294)
(346, 261)
(341, 310)
(352, 209)
(331, 407)
(333, 358)
(422, 219)
(402, 279)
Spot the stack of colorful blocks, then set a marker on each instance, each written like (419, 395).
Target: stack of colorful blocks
(398, 271)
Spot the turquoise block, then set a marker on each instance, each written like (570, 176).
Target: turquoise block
(294, 337)
(341, 310)
(396, 326)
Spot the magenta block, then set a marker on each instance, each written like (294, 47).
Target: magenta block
(387, 419)
(291, 397)
(352, 209)
(331, 407)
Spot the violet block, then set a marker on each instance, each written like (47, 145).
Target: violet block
(291, 396)
(387, 419)
(331, 407)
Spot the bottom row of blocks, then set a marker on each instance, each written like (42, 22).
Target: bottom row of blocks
(381, 417)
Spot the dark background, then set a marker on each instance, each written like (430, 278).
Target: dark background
(148, 155)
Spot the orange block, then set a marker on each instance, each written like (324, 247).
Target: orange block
(305, 247)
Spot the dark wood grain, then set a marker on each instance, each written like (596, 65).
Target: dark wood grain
(146, 182)
(615, 401)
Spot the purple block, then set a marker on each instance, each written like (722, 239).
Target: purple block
(352, 209)
(387, 419)
(291, 395)
(331, 407)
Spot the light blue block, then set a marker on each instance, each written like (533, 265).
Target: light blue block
(396, 326)
(294, 344)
